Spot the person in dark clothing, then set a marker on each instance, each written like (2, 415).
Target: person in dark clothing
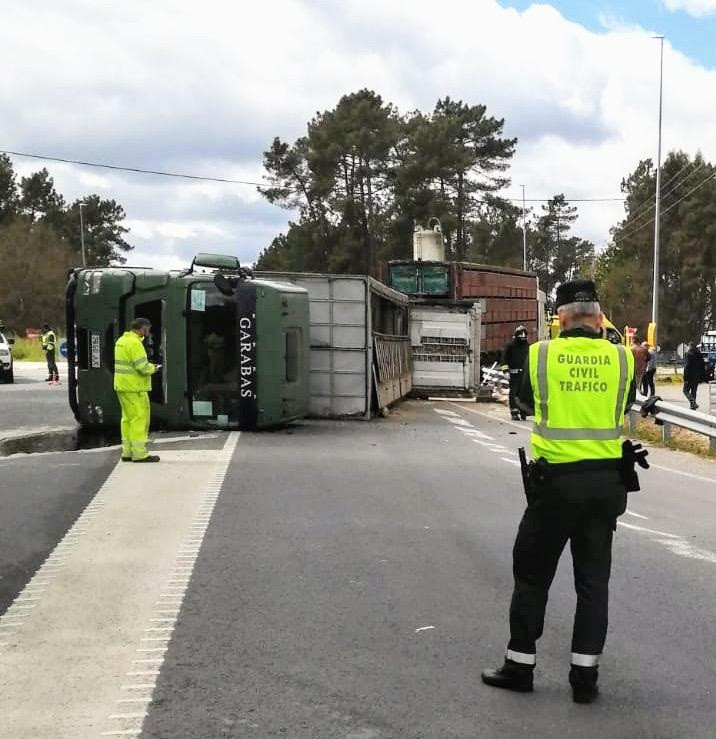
(578, 387)
(647, 383)
(514, 357)
(694, 373)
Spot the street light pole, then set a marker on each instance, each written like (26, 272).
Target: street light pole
(524, 231)
(657, 212)
(82, 236)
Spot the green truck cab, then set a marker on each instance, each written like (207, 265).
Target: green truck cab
(234, 351)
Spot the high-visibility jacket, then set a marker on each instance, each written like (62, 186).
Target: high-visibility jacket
(132, 369)
(49, 340)
(580, 387)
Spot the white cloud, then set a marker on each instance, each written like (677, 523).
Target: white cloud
(203, 89)
(697, 8)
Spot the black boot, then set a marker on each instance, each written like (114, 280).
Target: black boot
(512, 676)
(584, 684)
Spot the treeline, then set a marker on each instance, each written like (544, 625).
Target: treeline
(687, 264)
(364, 173)
(40, 240)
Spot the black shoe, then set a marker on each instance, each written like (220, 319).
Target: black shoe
(584, 684)
(515, 415)
(511, 676)
(126, 459)
(150, 458)
(694, 406)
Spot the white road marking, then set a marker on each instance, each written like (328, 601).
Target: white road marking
(683, 474)
(511, 461)
(460, 422)
(676, 544)
(634, 527)
(128, 715)
(520, 426)
(636, 515)
(424, 628)
(479, 434)
(444, 412)
(105, 587)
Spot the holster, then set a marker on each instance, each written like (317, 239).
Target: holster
(534, 475)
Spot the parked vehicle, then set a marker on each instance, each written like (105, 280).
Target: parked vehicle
(6, 364)
(708, 349)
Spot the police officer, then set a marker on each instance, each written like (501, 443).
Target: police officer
(514, 357)
(49, 343)
(578, 387)
(132, 383)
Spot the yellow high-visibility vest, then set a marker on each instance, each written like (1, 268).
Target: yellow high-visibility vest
(580, 388)
(132, 370)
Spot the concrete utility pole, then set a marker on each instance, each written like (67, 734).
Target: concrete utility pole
(82, 236)
(524, 231)
(657, 213)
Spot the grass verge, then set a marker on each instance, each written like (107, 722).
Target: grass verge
(28, 350)
(681, 439)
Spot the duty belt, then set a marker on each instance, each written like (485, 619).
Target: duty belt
(584, 465)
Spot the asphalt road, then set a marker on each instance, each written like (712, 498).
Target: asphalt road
(31, 404)
(354, 579)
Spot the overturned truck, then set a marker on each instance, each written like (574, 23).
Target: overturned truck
(234, 350)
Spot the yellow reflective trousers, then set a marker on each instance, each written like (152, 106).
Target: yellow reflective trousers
(135, 424)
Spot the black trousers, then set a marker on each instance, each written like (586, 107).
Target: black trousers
(580, 508)
(515, 385)
(51, 364)
(690, 389)
(647, 383)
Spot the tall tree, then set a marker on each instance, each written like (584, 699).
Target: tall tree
(497, 238)
(363, 175)
(556, 255)
(103, 231)
(687, 274)
(8, 190)
(38, 197)
(34, 263)
(451, 160)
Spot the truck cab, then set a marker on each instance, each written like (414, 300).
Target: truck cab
(234, 350)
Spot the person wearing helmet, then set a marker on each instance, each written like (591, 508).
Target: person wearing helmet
(514, 357)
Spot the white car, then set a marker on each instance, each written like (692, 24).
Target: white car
(6, 373)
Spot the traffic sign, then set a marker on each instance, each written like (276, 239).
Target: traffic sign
(63, 349)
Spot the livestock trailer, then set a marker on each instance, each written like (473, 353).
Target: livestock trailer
(359, 345)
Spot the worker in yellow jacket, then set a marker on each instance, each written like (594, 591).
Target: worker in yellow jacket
(132, 383)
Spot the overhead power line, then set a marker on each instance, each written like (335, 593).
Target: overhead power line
(645, 208)
(630, 233)
(133, 169)
(227, 180)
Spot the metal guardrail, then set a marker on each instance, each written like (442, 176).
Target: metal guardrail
(669, 415)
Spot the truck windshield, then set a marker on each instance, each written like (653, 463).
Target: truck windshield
(213, 369)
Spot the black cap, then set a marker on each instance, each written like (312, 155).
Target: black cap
(577, 291)
(46, 326)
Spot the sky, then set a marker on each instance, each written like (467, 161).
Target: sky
(203, 88)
